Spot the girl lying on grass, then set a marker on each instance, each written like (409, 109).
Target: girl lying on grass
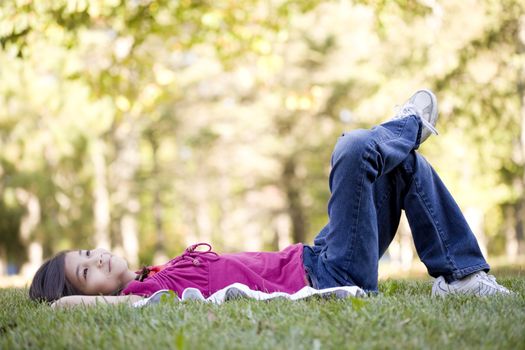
(375, 175)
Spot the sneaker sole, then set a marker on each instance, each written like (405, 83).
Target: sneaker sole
(433, 115)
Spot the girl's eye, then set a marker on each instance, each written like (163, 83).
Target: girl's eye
(85, 273)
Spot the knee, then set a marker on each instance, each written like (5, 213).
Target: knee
(352, 145)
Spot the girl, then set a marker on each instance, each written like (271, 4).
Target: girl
(375, 175)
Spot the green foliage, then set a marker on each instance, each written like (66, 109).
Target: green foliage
(215, 120)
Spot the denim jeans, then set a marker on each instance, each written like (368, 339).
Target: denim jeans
(375, 175)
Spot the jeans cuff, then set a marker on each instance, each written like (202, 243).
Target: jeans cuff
(464, 272)
(419, 131)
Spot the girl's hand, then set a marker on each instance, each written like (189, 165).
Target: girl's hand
(74, 300)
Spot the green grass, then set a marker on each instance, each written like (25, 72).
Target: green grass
(403, 316)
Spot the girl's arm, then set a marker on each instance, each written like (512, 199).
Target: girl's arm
(73, 300)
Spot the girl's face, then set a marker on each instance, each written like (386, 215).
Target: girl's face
(97, 271)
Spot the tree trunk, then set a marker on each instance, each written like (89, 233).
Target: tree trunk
(202, 197)
(159, 256)
(129, 232)
(521, 91)
(511, 237)
(281, 227)
(401, 250)
(202, 218)
(101, 207)
(293, 196)
(125, 167)
(3, 261)
(406, 242)
(160, 252)
(28, 224)
(474, 217)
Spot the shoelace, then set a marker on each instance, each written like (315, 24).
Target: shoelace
(492, 281)
(411, 109)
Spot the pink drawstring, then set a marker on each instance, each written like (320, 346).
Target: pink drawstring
(191, 253)
(193, 248)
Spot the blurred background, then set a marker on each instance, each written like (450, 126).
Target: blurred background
(144, 126)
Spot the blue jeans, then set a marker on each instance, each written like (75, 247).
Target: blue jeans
(375, 175)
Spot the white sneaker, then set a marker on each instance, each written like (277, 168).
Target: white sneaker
(234, 293)
(478, 283)
(423, 103)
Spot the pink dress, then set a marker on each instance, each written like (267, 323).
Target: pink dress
(208, 272)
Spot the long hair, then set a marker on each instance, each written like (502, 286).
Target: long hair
(50, 282)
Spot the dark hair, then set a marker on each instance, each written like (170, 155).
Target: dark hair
(50, 282)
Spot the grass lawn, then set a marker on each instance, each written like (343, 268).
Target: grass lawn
(402, 316)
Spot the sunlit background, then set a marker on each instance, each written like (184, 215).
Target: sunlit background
(145, 126)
